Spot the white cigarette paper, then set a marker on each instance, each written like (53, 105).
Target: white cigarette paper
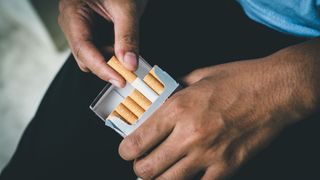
(144, 89)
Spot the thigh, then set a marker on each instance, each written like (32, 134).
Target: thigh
(66, 140)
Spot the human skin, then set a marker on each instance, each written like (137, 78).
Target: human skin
(77, 20)
(227, 114)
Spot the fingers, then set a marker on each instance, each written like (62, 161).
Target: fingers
(126, 27)
(75, 21)
(196, 76)
(93, 60)
(125, 16)
(161, 158)
(202, 73)
(90, 59)
(148, 135)
(215, 172)
(184, 169)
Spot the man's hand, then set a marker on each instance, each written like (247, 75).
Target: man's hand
(226, 114)
(77, 22)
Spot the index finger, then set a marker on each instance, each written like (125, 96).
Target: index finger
(97, 64)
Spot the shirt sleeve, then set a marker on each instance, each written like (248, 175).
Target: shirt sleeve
(295, 17)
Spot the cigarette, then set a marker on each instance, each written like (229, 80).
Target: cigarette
(153, 83)
(140, 99)
(152, 71)
(133, 79)
(126, 114)
(117, 66)
(133, 107)
(114, 114)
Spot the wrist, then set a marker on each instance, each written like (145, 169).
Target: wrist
(294, 70)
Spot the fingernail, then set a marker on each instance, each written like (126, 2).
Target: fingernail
(130, 59)
(115, 82)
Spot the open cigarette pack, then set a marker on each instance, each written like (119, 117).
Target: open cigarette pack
(125, 109)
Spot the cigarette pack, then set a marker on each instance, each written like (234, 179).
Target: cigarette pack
(125, 109)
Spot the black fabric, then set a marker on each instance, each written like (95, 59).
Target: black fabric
(65, 140)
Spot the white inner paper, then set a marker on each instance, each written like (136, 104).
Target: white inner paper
(144, 89)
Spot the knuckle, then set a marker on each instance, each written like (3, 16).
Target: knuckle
(130, 41)
(197, 133)
(195, 76)
(129, 38)
(233, 158)
(97, 66)
(196, 130)
(222, 171)
(206, 80)
(178, 107)
(196, 72)
(134, 143)
(99, 70)
(77, 50)
(143, 170)
(83, 68)
(82, 52)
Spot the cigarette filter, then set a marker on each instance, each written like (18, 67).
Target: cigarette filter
(132, 79)
(133, 106)
(140, 99)
(152, 82)
(114, 114)
(127, 115)
(125, 109)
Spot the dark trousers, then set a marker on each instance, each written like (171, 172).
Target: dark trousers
(66, 140)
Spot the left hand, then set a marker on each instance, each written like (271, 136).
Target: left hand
(227, 113)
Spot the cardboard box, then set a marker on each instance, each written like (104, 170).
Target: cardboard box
(111, 97)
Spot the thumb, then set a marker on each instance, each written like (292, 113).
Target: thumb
(126, 28)
(199, 74)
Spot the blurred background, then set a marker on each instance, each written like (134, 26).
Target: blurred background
(32, 49)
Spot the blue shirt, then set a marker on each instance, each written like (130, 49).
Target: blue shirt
(296, 17)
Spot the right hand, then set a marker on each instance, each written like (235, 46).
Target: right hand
(76, 21)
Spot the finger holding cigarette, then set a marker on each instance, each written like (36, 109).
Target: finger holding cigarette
(132, 78)
(115, 64)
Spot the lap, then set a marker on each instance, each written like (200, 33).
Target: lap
(66, 140)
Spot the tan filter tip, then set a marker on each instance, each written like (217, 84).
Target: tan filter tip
(140, 99)
(152, 71)
(153, 83)
(115, 64)
(114, 114)
(133, 106)
(126, 114)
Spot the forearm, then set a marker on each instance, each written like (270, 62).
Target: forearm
(300, 64)
(286, 84)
